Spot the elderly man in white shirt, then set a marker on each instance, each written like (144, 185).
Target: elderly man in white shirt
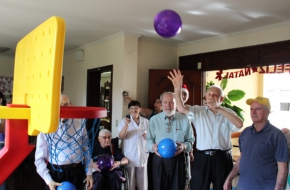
(61, 156)
(213, 125)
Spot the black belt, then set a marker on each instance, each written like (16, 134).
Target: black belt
(67, 166)
(215, 152)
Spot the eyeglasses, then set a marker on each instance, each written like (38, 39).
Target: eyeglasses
(106, 137)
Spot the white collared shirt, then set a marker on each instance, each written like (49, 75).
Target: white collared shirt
(65, 146)
(134, 145)
(213, 131)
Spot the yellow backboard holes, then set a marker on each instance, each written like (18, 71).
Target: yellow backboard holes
(37, 74)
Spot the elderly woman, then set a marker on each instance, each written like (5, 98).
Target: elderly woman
(110, 179)
(146, 112)
(133, 130)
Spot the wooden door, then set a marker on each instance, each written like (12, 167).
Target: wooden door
(94, 94)
(159, 83)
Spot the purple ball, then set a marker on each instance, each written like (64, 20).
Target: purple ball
(167, 23)
(105, 163)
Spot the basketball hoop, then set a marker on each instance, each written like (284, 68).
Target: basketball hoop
(72, 142)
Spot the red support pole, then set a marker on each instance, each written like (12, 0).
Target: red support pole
(16, 146)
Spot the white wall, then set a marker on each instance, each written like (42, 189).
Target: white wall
(131, 59)
(152, 55)
(274, 33)
(6, 66)
(107, 52)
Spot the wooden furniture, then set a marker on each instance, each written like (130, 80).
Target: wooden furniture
(252, 56)
(235, 141)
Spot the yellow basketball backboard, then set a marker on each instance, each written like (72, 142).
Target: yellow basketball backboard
(37, 74)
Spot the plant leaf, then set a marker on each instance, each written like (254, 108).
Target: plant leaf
(235, 95)
(208, 84)
(225, 104)
(226, 100)
(224, 83)
(238, 109)
(240, 114)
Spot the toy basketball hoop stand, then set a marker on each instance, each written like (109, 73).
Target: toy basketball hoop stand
(17, 145)
(36, 93)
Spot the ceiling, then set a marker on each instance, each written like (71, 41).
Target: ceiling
(93, 20)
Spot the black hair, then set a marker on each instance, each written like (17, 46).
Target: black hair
(3, 103)
(157, 98)
(134, 103)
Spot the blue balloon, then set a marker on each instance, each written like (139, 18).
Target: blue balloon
(66, 185)
(167, 148)
(167, 23)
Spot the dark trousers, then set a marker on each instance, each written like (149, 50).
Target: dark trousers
(149, 170)
(206, 169)
(73, 173)
(169, 173)
(106, 180)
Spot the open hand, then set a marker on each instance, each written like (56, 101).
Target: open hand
(90, 181)
(95, 166)
(180, 148)
(155, 149)
(176, 78)
(52, 185)
(115, 165)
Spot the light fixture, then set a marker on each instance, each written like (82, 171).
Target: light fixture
(4, 49)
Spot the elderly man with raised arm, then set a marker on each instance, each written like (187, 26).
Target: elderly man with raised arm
(214, 125)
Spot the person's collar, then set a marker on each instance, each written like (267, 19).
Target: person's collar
(104, 146)
(266, 127)
(207, 109)
(167, 117)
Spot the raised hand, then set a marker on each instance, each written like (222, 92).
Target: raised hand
(176, 78)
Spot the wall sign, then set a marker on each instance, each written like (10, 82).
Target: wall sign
(284, 68)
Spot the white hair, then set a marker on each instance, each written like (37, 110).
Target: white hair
(218, 87)
(171, 93)
(105, 131)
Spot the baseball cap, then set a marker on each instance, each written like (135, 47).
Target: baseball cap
(261, 100)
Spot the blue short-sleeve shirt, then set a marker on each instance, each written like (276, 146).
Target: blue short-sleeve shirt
(260, 153)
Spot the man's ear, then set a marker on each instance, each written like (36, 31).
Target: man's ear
(222, 99)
